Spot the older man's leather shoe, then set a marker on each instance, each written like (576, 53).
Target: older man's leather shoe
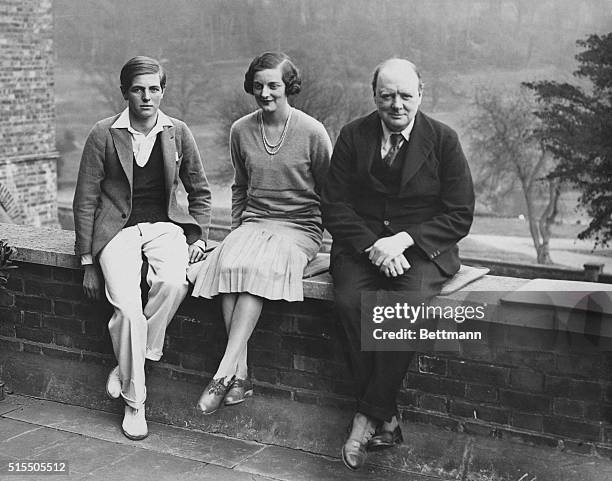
(354, 452)
(385, 439)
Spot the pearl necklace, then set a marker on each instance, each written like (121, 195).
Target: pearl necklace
(272, 149)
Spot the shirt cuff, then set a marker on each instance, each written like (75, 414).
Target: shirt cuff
(201, 244)
(86, 260)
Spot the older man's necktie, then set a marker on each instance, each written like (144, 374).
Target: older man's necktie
(395, 146)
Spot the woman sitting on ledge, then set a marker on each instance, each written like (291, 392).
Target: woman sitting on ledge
(281, 158)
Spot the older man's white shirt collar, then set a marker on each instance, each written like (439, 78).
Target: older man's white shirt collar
(387, 133)
(142, 144)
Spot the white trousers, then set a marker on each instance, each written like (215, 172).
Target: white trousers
(136, 333)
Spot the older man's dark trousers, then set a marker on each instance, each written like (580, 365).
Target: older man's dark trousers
(379, 374)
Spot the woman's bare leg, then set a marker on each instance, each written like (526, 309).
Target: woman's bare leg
(228, 305)
(244, 319)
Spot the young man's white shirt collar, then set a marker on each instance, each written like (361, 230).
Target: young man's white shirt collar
(142, 144)
(385, 144)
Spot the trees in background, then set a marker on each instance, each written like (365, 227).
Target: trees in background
(444, 37)
(576, 127)
(504, 141)
(192, 78)
(206, 46)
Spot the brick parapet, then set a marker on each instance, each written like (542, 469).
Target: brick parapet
(528, 381)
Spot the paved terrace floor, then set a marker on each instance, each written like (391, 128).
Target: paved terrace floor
(91, 443)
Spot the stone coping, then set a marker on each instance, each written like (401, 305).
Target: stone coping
(55, 247)
(41, 245)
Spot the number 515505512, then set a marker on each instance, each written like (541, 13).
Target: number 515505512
(38, 467)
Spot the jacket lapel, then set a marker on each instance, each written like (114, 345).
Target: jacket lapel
(372, 137)
(419, 146)
(123, 146)
(169, 154)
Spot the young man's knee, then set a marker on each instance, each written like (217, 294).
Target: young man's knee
(173, 285)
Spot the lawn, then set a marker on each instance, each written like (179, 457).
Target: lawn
(470, 248)
(517, 227)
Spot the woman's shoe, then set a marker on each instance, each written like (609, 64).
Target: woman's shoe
(238, 391)
(213, 395)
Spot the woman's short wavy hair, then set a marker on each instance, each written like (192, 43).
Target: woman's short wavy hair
(140, 65)
(269, 60)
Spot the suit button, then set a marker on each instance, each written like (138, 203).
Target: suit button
(386, 222)
(123, 216)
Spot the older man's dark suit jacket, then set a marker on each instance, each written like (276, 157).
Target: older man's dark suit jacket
(435, 203)
(103, 196)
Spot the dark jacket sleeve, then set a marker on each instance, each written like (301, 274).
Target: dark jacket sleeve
(443, 231)
(339, 216)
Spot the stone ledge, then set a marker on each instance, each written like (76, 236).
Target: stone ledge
(55, 247)
(528, 371)
(41, 245)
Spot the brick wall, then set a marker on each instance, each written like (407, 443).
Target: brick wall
(27, 109)
(534, 385)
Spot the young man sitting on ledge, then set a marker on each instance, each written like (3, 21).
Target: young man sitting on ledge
(125, 207)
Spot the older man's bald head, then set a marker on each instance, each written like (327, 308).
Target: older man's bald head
(397, 64)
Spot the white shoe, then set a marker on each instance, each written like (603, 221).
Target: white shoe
(113, 384)
(134, 424)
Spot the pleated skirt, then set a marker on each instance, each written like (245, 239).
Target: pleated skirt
(265, 258)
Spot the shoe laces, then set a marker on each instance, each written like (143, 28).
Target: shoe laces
(239, 383)
(217, 386)
(369, 432)
(363, 436)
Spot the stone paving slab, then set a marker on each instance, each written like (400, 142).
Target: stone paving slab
(10, 403)
(293, 465)
(11, 429)
(142, 464)
(83, 454)
(30, 440)
(96, 460)
(93, 444)
(195, 445)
